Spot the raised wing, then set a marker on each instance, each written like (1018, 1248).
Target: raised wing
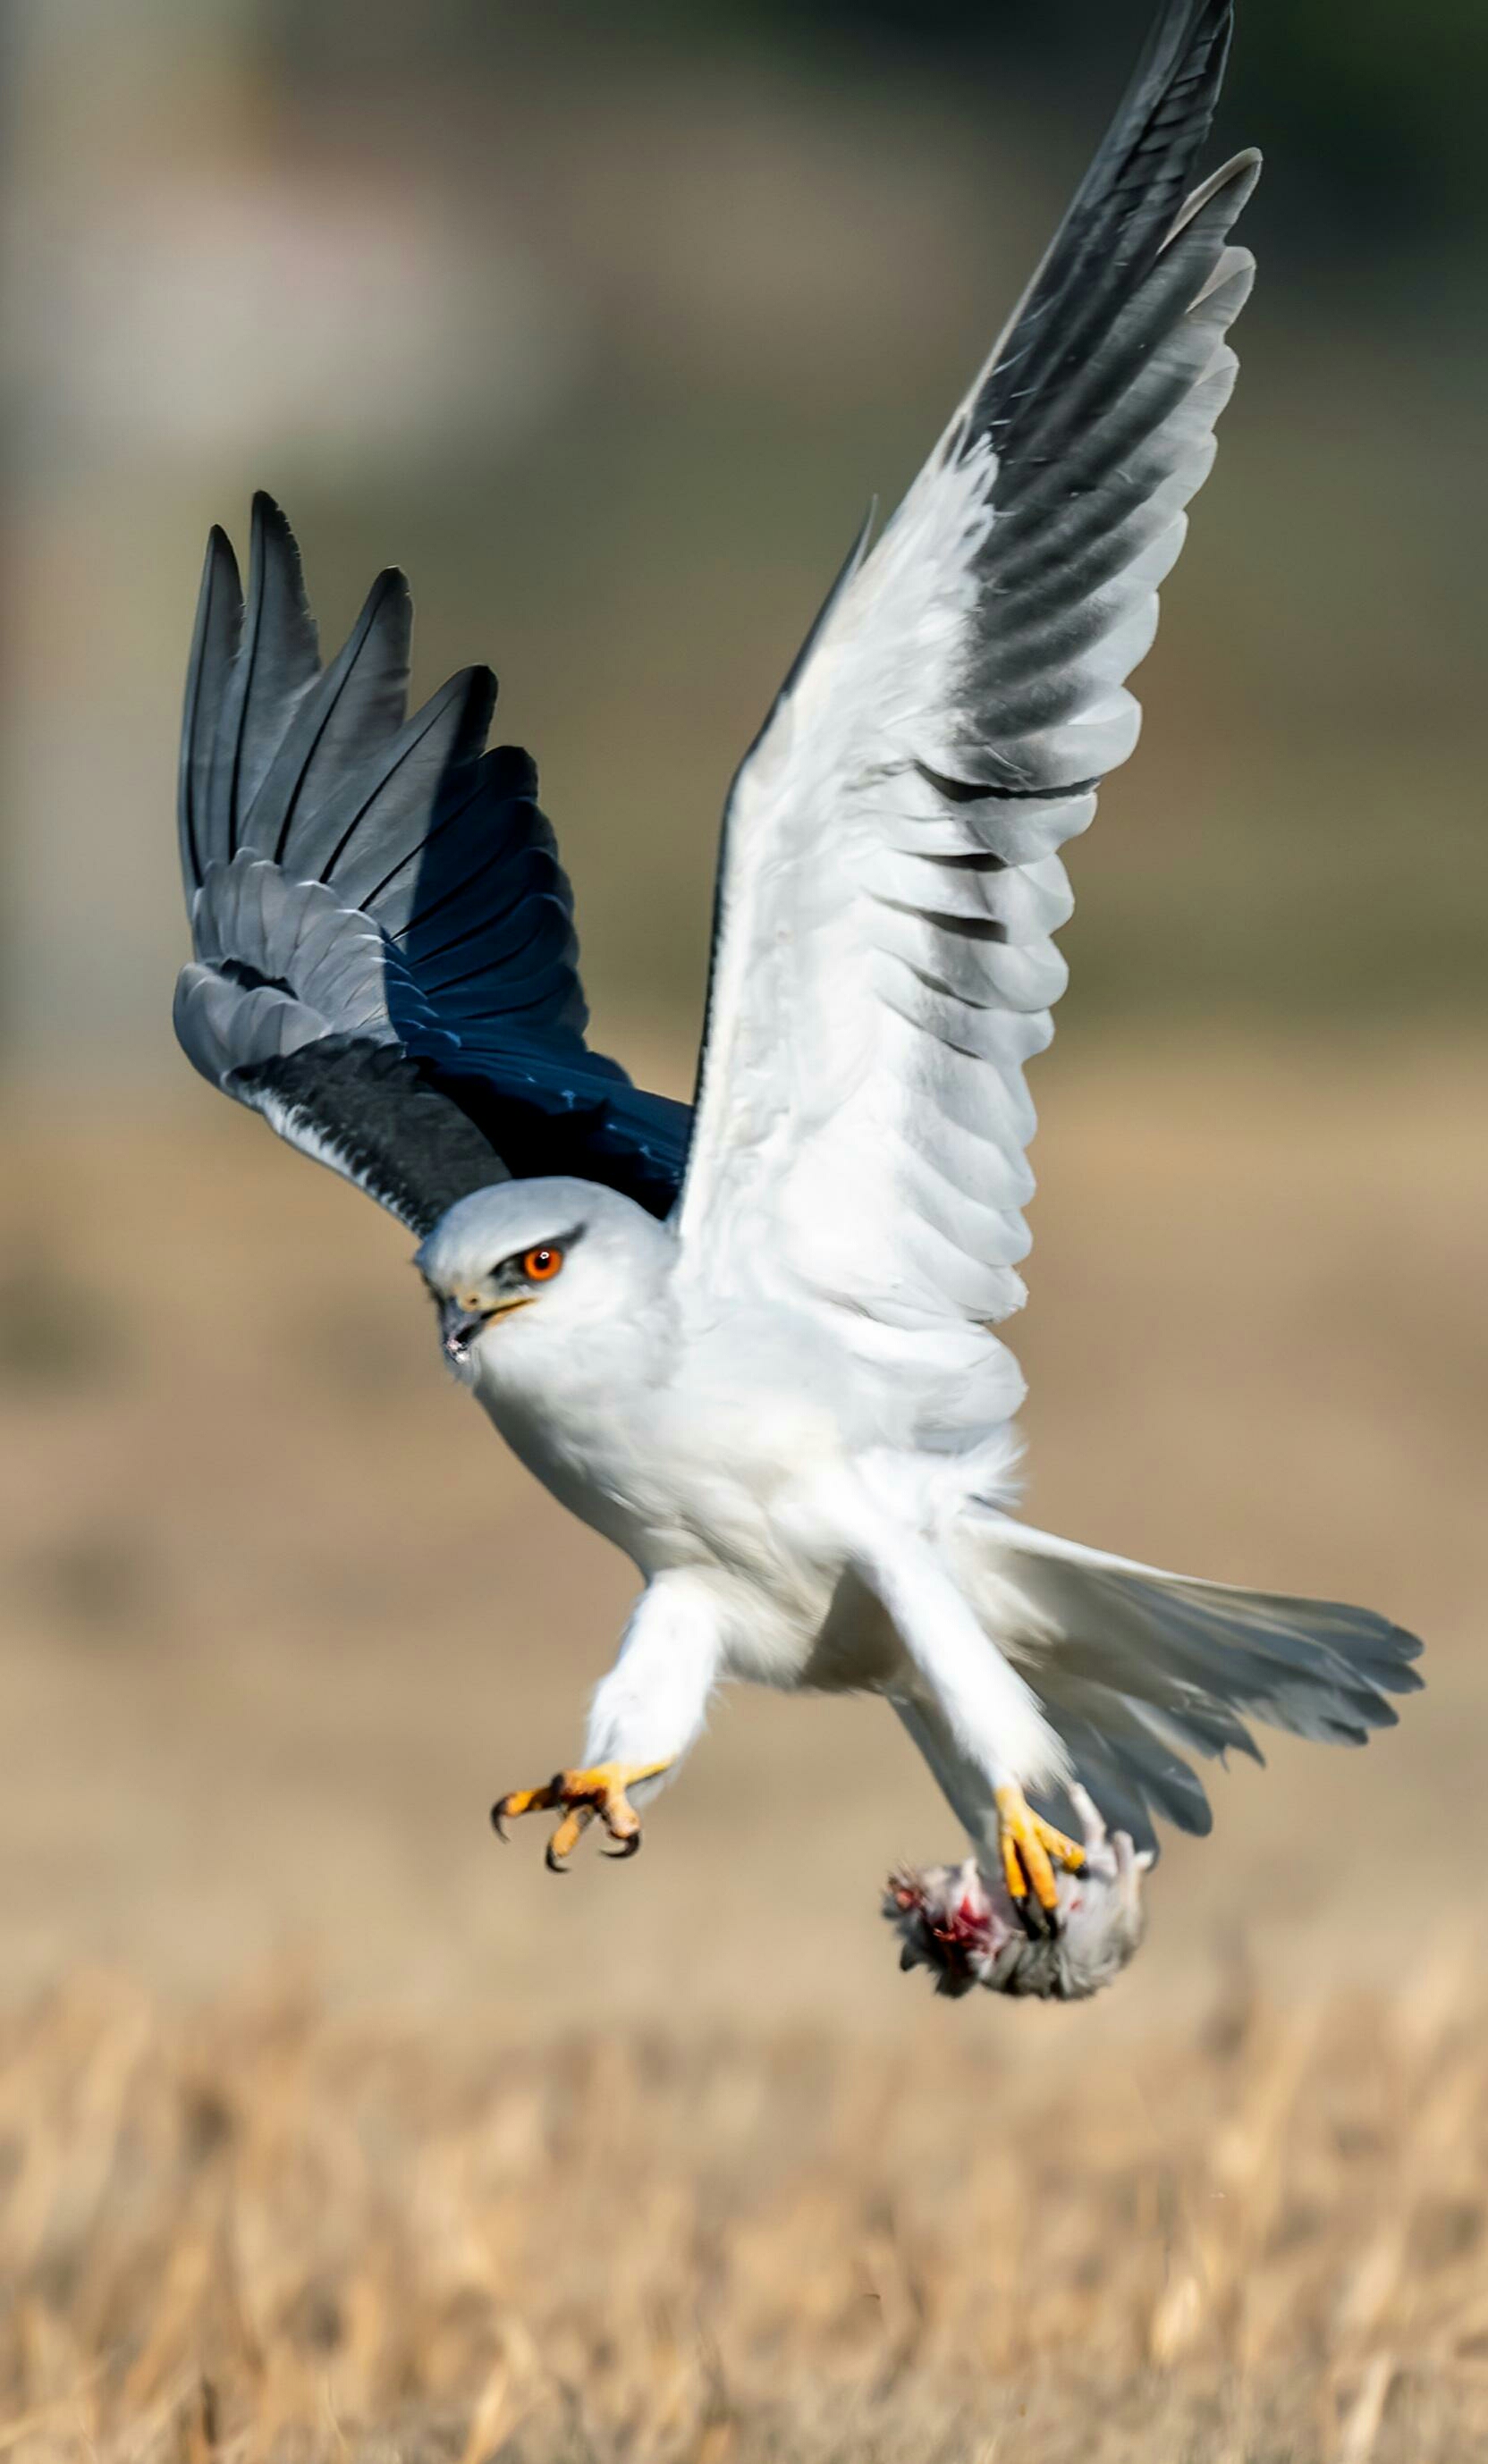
(385, 959)
(889, 882)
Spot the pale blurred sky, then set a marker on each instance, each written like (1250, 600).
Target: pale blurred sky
(607, 335)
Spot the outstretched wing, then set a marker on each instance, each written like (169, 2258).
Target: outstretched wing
(889, 880)
(384, 963)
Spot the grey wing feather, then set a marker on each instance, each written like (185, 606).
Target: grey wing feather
(384, 956)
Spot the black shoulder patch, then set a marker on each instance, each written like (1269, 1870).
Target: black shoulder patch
(366, 1109)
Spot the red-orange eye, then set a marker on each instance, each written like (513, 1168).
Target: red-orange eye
(541, 1266)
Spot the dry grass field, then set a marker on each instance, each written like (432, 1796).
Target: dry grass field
(260, 2233)
(327, 2130)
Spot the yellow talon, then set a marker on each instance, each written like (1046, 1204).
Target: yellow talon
(582, 1794)
(1031, 1850)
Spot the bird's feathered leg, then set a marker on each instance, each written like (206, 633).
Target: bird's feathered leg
(645, 1716)
(992, 1721)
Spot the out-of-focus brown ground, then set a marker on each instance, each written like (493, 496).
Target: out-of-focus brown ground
(261, 2234)
(672, 2145)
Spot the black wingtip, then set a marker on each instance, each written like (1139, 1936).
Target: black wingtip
(271, 542)
(266, 513)
(1168, 108)
(477, 687)
(512, 771)
(272, 546)
(219, 601)
(215, 640)
(388, 601)
(1123, 214)
(1176, 34)
(219, 550)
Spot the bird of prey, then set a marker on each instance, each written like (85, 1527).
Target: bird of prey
(756, 1344)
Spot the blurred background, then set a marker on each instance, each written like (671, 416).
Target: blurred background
(606, 325)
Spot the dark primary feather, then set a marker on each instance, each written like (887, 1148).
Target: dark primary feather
(1123, 213)
(385, 963)
(1078, 404)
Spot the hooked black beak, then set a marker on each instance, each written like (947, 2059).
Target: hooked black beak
(459, 1323)
(458, 1328)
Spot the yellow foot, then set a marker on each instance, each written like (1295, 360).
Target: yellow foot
(1031, 1850)
(582, 1794)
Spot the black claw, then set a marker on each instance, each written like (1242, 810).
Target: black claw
(1039, 1922)
(628, 1848)
(499, 1820)
(554, 1864)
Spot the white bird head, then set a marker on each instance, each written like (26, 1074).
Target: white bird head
(528, 1271)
